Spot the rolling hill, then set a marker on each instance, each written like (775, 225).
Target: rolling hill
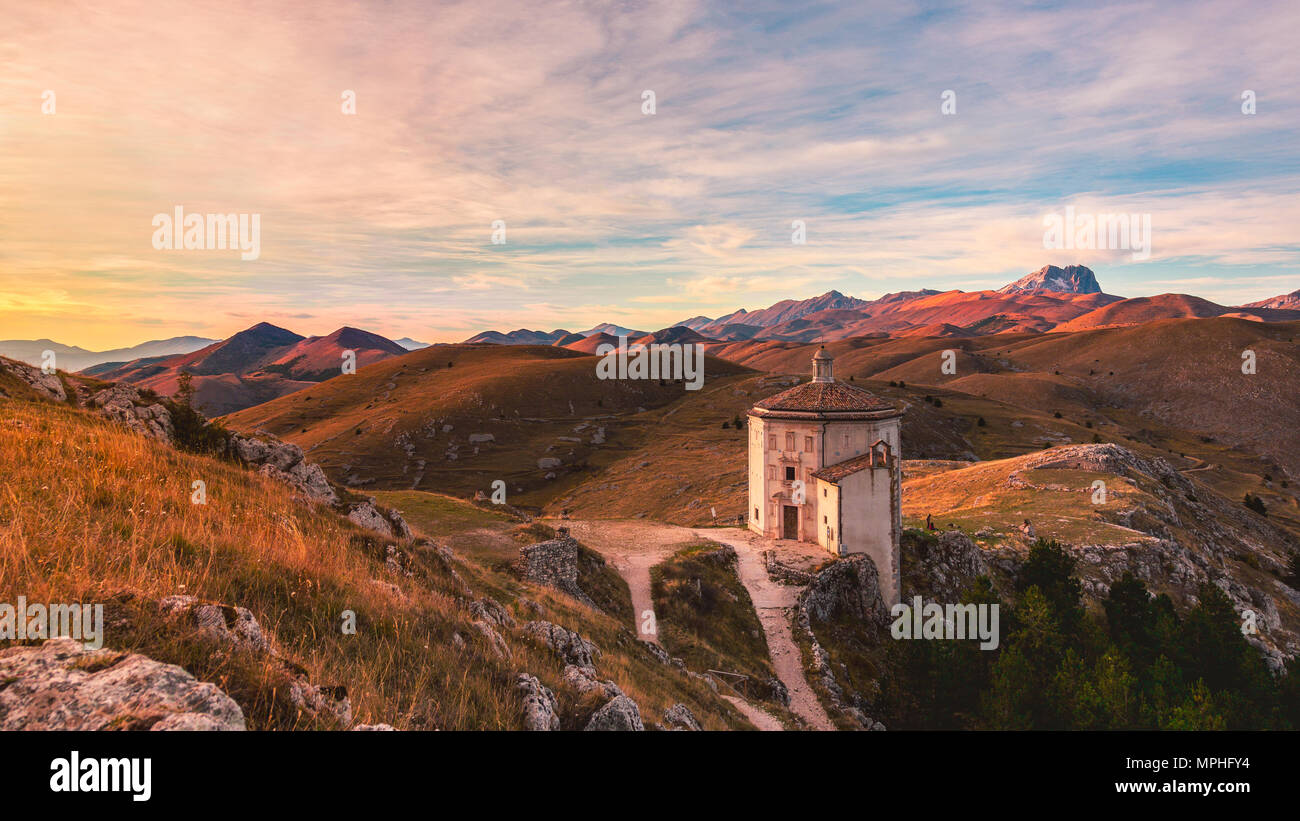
(455, 418)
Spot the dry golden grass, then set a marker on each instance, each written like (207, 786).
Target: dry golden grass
(90, 512)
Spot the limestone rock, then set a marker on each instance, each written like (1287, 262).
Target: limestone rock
(230, 626)
(323, 701)
(621, 713)
(494, 640)
(490, 610)
(285, 462)
(60, 685)
(365, 514)
(680, 717)
(566, 644)
(846, 587)
(539, 705)
(46, 384)
(122, 403)
(582, 680)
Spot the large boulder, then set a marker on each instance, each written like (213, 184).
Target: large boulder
(621, 713)
(60, 685)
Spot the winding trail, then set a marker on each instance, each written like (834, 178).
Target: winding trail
(632, 547)
(775, 603)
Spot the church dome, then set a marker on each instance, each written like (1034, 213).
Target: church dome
(825, 397)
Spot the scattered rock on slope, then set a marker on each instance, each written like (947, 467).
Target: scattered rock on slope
(568, 645)
(680, 717)
(539, 704)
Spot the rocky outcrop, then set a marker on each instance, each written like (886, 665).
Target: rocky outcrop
(942, 569)
(621, 713)
(847, 588)
(62, 686)
(1176, 536)
(123, 403)
(495, 642)
(48, 385)
(539, 704)
(566, 644)
(554, 563)
(284, 461)
(680, 717)
(366, 515)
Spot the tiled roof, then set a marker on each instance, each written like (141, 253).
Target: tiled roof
(834, 473)
(824, 396)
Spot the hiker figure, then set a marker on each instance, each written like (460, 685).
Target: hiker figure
(929, 522)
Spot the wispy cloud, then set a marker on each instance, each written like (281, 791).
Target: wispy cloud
(471, 112)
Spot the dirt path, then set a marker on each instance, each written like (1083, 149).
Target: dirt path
(774, 603)
(1201, 464)
(632, 547)
(757, 716)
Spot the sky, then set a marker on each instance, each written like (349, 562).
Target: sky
(534, 114)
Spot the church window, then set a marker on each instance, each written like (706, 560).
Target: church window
(808, 443)
(789, 441)
(789, 474)
(771, 442)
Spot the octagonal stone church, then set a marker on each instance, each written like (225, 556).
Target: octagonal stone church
(824, 468)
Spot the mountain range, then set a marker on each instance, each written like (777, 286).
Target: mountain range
(265, 362)
(1049, 299)
(73, 358)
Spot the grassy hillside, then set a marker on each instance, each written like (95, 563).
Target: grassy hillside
(90, 512)
(452, 419)
(706, 618)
